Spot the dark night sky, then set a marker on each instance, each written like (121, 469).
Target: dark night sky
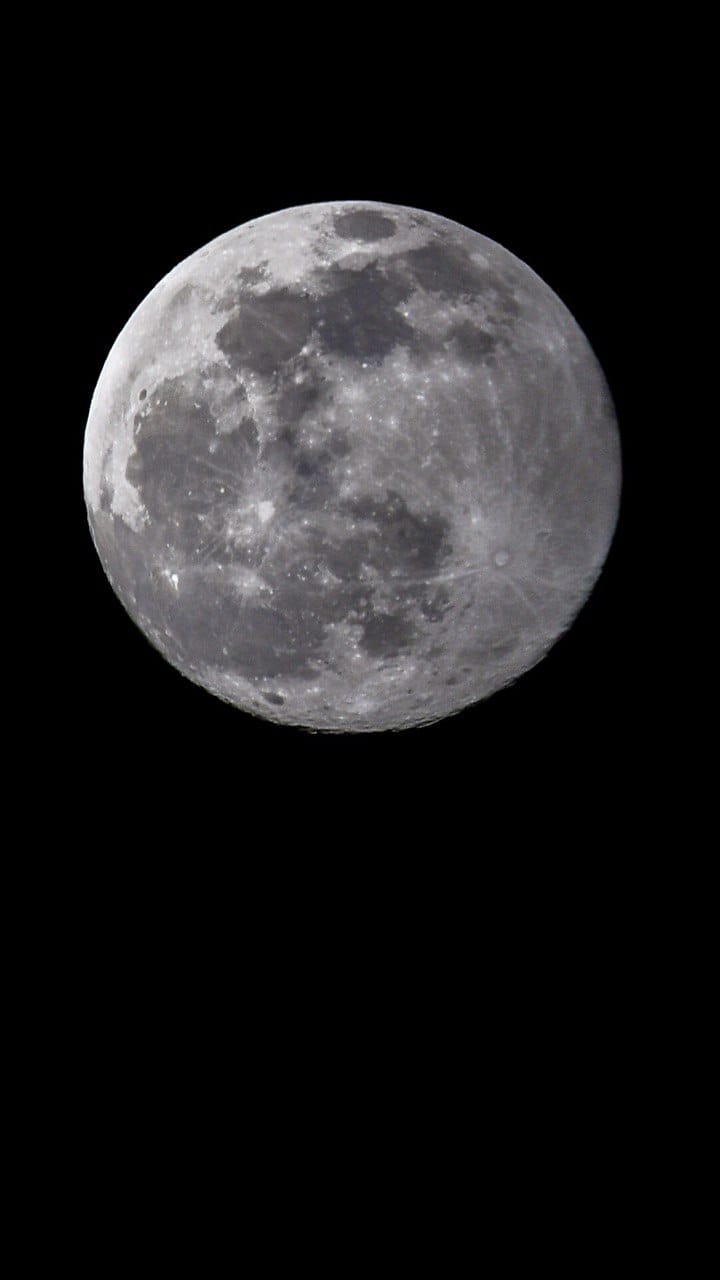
(487, 894)
(537, 155)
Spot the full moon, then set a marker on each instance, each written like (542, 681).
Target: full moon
(352, 466)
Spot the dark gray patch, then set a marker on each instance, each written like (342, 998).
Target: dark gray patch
(364, 224)
(309, 468)
(313, 463)
(399, 538)
(446, 268)
(247, 431)
(443, 267)
(434, 606)
(294, 398)
(472, 342)
(106, 494)
(276, 699)
(143, 394)
(345, 559)
(266, 331)
(357, 316)
(253, 640)
(249, 276)
(384, 635)
(354, 315)
(246, 279)
(338, 444)
(181, 465)
(313, 484)
(301, 591)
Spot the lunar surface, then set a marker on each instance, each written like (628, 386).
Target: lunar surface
(352, 466)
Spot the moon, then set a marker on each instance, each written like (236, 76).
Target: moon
(352, 466)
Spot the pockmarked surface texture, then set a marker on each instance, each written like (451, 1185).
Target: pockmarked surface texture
(352, 466)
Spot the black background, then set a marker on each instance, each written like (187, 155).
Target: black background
(468, 927)
(545, 152)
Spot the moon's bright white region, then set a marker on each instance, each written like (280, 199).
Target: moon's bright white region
(352, 466)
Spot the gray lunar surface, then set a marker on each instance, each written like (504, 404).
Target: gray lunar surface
(352, 466)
